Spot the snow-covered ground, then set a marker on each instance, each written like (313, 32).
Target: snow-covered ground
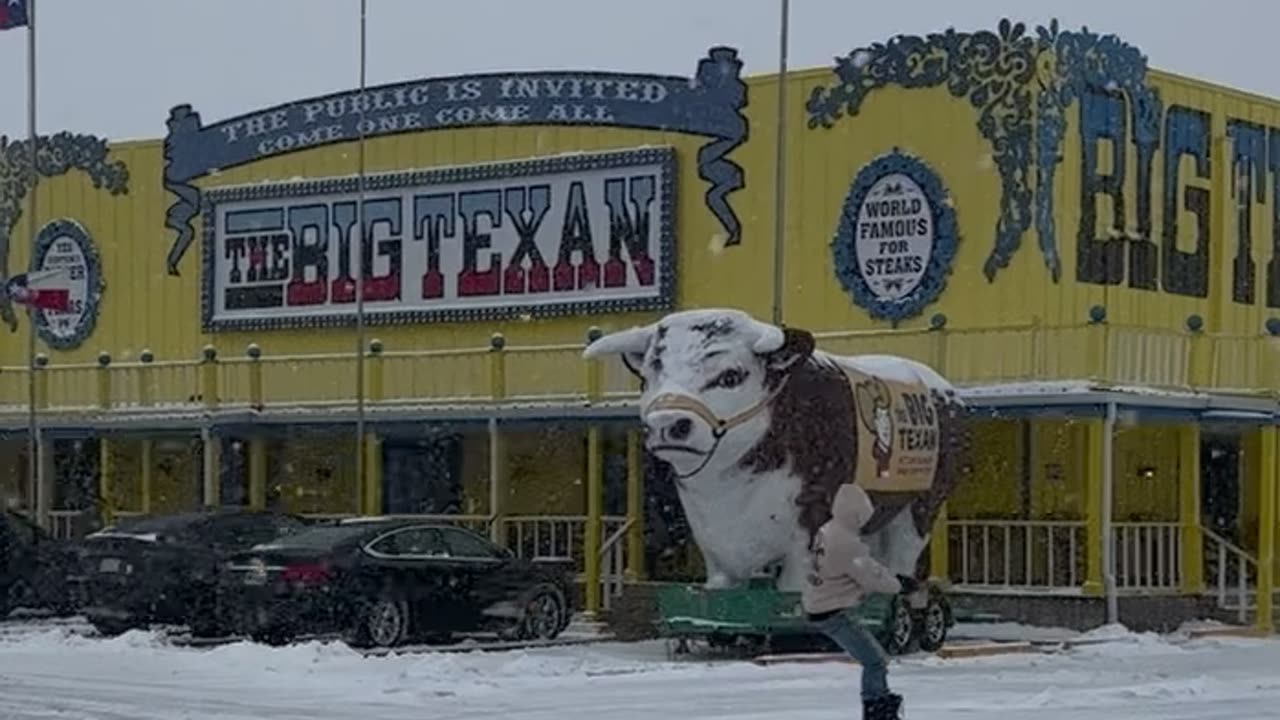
(49, 671)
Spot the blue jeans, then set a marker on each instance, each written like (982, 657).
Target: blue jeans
(854, 639)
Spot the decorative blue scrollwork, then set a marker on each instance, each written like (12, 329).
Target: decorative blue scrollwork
(991, 70)
(56, 155)
(844, 246)
(1068, 63)
(999, 73)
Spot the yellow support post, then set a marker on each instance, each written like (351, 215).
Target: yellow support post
(104, 380)
(106, 481)
(635, 509)
(1093, 507)
(254, 354)
(1264, 620)
(372, 474)
(146, 473)
(257, 473)
(373, 371)
(1192, 541)
(212, 464)
(497, 367)
(595, 506)
(42, 381)
(939, 549)
(209, 377)
(594, 371)
(144, 375)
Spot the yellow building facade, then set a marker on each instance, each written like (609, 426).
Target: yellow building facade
(1081, 242)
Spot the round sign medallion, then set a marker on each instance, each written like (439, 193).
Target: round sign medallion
(65, 245)
(896, 238)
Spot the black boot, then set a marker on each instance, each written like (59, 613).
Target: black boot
(882, 708)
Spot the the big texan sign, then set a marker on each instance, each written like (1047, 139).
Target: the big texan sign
(539, 236)
(555, 235)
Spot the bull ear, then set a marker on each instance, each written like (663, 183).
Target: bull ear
(797, 346)
(631, 345)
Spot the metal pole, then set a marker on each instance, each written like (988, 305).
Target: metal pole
(780, 166)
(360, 253)
(35, 469)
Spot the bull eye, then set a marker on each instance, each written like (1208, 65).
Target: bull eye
(731, 378)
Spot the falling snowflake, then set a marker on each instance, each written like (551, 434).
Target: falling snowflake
(718, 243)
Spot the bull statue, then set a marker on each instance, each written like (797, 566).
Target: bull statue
(760, 430)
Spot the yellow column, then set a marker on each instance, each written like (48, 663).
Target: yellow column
(939, 550)
(372, 474)
(1192, 550)
(257, 473)
(1264, 619)
(635, 509)
(595, 501)
(145, 474)
(1093, 506)
(106, 481)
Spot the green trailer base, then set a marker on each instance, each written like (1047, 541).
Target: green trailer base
(757, 615)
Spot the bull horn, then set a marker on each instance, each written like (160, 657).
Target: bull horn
(635, 340)
(771, 339)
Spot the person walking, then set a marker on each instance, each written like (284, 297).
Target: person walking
(842, 572)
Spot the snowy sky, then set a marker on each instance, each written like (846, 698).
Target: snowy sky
(114, 67)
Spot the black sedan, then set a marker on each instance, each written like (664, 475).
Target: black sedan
(34, 567)
(163, 569)
(382, 582)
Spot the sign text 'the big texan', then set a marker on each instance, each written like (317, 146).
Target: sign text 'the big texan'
(709, 104)
(559, 235)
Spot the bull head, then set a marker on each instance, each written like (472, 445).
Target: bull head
(704, 373)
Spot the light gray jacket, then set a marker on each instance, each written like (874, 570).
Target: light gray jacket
(842, 570)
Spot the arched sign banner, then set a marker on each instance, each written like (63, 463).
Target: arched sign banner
(63, 247)
(709, 104)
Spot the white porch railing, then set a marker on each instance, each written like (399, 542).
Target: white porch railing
(1148, 556)
(1233, 572)
(1016, 556)
(560, 538)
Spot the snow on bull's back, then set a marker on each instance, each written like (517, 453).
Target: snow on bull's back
(892, 367)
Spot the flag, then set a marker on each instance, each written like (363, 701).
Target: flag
(46, 290)
(13, 13)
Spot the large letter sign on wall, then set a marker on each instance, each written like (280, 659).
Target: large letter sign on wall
(709, 104)
(66, 246)
(553, 236)
(896, 238)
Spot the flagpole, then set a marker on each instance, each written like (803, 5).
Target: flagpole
(361, 470)
(780, 166)
(35, 464)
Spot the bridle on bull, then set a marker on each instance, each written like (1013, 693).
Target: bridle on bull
(719, 426)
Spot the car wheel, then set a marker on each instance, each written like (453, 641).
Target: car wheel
(381, 622)
(204, 621)
(899, 632)
(542, 617)
(933, 622)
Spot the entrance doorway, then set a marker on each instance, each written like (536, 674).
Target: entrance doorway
(422, 476)
(1220, 484)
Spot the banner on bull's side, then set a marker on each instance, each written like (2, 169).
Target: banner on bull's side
(897, 434)
(709, 104)
(560, 235)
